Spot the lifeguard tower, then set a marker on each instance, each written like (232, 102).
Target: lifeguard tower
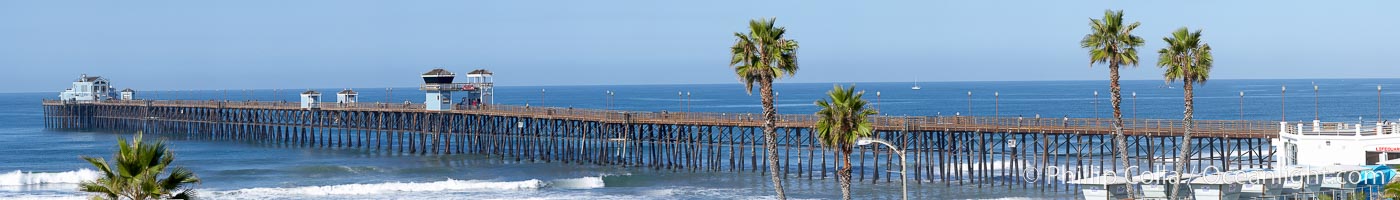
(310, 99)
(480, 92)
(438, 86)
(347, 96)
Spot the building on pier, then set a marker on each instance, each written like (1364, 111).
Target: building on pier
(88, 89)
(1336, 143)
(310, 99)
(347, 96)
(438, 86)
(128, 94)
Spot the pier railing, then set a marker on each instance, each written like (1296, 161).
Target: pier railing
(1163, 127)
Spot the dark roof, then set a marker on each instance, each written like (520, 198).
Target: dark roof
(86, 78)
(128, 90)
(439, 72)
(310, 92)
(347, 91)
(480, 71)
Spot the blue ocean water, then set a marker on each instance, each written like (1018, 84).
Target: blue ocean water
(38, 163)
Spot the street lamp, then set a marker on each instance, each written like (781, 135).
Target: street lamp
(1241, 105)
(969, 103)
(902, 175)
(1096, 107)
(1378, 104)
(687, 101)
(1316, 114)
(996, 104)
(541, 96)
(1283, 102)
(877, 103)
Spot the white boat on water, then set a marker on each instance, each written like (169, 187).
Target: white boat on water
(916, 84)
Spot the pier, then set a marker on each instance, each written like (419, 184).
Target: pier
(941, 150)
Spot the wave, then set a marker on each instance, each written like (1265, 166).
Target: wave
(21, 178)
(437, 186)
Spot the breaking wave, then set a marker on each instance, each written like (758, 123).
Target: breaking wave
(436, 186)
(21, 178)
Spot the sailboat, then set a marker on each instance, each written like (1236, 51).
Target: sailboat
(916, 84)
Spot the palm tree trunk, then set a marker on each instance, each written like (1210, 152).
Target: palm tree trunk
(1185, 155)
(770, 134)
(844, 176)
(1118, 138)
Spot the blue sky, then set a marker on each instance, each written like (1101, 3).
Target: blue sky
(165, 45)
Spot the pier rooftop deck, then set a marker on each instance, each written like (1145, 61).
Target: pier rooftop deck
(1135, 127)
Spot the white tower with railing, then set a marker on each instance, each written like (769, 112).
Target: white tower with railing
(347, 96)
(481, 89)
(310, 99)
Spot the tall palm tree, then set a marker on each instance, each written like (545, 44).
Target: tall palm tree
(1113, 43)
(136, 175)
(1188, 60)
(1391, 190)
(840, 122)
(759, 57)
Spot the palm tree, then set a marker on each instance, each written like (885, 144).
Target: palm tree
(1111, 42)
(759, 57)
(1187, 59)
(1391, 190)
(841, 121)
(135, 177)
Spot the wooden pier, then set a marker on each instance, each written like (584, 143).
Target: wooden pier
(982, 151)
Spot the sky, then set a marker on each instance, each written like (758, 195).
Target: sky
(262, 44)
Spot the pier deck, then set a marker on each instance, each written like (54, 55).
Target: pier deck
(986, 151)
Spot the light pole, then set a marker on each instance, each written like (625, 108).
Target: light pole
(1317, 115)
(969, 103)
(680, 101)
(1241, 105)
(996, 104)
(902, 175)
(1378, 104)
(1134, 108)
(610, 99)
(541, 96)
(389, 95)
(687, 102)
(877, 103)
(1283, 102)
(1096, 107)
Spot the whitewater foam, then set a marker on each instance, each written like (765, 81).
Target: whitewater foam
(21, 178)
(578, 183)
(379, 188)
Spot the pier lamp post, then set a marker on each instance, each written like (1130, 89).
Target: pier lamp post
(903, 179)
(609, 101)
(1283, 102)
(1134, 108)
(877, 103)
(969, 103)
(996, 104)
(1241, 105)
(687, 102)
(680, 101)
(389, 95)
(1096, 107)
(1378, 104)
(1316, 104)
(541, 96)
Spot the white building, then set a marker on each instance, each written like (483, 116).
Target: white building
(128, 94)
(310, 99)
(1329, 144)
(88, 89)
(347, 96)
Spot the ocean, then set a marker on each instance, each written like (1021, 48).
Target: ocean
(44, 164)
